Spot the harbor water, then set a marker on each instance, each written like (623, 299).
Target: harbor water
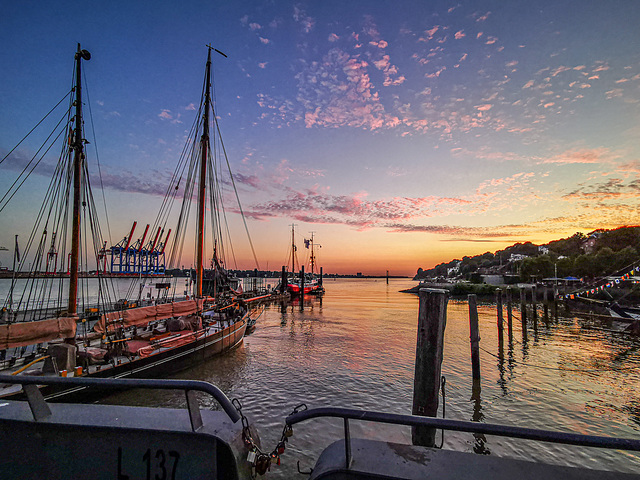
(356, 348)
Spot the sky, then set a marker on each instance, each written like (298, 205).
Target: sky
(402, 133)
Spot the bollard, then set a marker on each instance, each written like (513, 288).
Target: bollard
(432, 319)
(474, 338)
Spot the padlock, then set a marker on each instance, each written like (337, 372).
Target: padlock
(288, 431)
(262, 464)
(251, 458)
(280, 448)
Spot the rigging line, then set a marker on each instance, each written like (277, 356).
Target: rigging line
(27, 167)
(95, 146)
(233, 182)
(36, 126)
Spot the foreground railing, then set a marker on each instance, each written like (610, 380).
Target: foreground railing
(40, 409)
(461, 426)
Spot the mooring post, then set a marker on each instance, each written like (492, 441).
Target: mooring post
(534, 306)
(387, 277)
(500, 318)
(432, 319)
(302, 288)
(523, 313)
(283, 281)
(320, 279)
(545, 301)
(509, 315)
(474, 338)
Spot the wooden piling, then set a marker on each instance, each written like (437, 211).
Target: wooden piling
(283, 281)
(432, 319)
(523, 314)
(500, 317)
(320, 279)
(387, 277)
(509, 316)
(474, 338)
(534, 306)
(302, 288)
(545, 302)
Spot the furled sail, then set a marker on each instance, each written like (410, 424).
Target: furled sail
(21, 334)
(143, 315)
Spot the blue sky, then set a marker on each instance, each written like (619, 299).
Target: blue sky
(403, 133)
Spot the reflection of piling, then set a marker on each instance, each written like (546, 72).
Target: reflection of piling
(432, 318)
(509, 316)
(500, 318)
(474, 338)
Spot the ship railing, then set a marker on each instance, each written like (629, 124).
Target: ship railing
(551, 436)
(40, 409)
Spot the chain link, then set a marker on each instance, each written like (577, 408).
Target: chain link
(261, 461)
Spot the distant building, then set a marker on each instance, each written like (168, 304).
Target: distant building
(516, 257)
(543, 250)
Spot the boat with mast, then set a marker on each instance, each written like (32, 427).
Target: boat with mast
(304, 283)
(39, 338)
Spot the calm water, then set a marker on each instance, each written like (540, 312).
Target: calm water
(356, 348)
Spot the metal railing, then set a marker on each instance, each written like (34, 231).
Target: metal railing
(461, 426)
(41, 410)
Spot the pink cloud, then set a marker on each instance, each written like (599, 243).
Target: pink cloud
(459, 35)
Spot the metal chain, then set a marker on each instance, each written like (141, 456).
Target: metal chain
(261, 461)
(443, 382)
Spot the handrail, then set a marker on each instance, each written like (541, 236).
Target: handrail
(462, 426)
(120, 383)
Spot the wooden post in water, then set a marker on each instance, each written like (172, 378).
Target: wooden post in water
(474, 338)
(320, 279)
(509, 316)
(500, 317)
(545, 301)
(387, 277)
(523, 313)
(283, 281)
(432, 319)
(302, 288)
(534, 306)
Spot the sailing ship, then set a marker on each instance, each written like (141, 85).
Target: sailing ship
(45, 340)
(304, 283)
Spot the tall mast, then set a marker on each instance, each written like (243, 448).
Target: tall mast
(293, 250)
(78, 158)
(204, 143)
(313, 258)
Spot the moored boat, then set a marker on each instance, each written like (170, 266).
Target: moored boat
(41, 337)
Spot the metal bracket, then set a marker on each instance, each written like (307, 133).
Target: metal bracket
(194, 410)
(38, 406)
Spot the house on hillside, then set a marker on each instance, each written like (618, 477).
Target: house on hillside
(516, 257)
(590, 242)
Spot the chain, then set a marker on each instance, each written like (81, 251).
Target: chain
(261, 461)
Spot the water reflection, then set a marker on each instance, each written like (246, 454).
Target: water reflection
(480, 441)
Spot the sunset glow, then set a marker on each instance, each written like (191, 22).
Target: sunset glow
(404, 134)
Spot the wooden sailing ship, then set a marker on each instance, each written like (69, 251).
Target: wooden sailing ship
(147, 341)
